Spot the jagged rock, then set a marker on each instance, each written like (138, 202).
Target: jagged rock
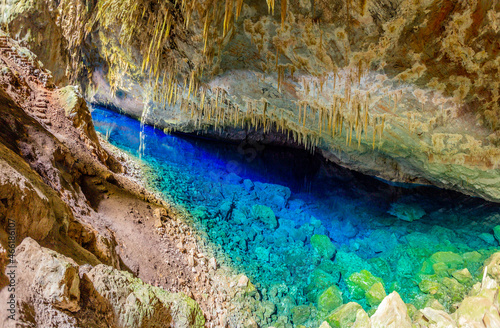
(391, 313)
(344, 316)
(18, 184)
(330, 299)
(49, 289)
(323, 246)
(359, 283)
(493, 266)
(406, 212)
(362, 320)
(136, 304)
(47, 282)
(265, 215)
(437, 319)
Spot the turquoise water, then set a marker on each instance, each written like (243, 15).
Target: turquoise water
(368, 221)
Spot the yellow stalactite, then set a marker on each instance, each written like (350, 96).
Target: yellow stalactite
(239, 5)
(191, 80)
(283, 13)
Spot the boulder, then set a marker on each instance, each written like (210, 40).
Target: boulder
(136, 304)
(362, 320)
(406, 212)
(437, 318)
(47, 276)
(496, 232)
(473, 309)
(300, 314)
(330, 299)
(488, 238)
(319, 281)
(463, 276)
(440, 262)
(323, 246)
(391, 313)
(493, 266)
(344, 316)
(375, 294)
(359, 283)
(265, 215)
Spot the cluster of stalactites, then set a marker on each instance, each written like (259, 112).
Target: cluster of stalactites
(348, 115)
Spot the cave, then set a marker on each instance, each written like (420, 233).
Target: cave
(250, 163)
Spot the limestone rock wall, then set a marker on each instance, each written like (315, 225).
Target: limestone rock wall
(53, 290)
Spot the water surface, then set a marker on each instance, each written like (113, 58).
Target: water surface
(365, 218)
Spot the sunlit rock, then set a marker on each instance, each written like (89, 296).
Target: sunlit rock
(391, 313)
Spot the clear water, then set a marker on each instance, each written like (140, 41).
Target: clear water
(309, 196)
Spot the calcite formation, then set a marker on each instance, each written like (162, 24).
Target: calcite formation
(401, 89)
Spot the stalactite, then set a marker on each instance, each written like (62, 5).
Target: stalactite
(283, 13)
(382, 126)
(270, 6)
(239, 5)
(227, 16)
(374, 132)
(191, 80)
(305, 112)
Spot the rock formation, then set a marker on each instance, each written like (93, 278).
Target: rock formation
(404, 90)
(49, 154)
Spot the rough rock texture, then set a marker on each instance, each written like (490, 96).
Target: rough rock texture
(47, 276)
(136, 304)
(62, 188)
(391, 313)
(49, 289)
(404, 90)
(41, 171)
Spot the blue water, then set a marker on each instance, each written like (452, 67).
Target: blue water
(219, 183)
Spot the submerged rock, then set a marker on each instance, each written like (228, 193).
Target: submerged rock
(360, 283)
(319, 281)
(442, 261)
(406, 212)
(344, 316)
(463, 276)
(330, 299)
(496, 232)
(362, 320)
(265, 215)
(300, 314)
(375, 294)
(323, 246)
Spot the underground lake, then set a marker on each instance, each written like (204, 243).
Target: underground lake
(309, 232)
